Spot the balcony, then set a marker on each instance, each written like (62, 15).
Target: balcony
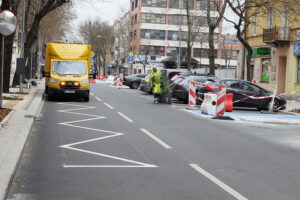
(276, 36)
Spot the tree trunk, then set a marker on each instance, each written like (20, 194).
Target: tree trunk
(189, 47)
(249, 55)
(13, 5)
(211, 53)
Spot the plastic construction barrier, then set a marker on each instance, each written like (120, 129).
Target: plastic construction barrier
(92, 80)
(221, 100)
(209, 104)
(229, 102)
(115, 79)
(192, 93)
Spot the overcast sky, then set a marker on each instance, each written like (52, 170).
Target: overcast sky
(107, 10)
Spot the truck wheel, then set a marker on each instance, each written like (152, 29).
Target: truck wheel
(86, 98)
(50, 97)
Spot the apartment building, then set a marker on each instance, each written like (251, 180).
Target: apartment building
(159, 31)
(275, 38)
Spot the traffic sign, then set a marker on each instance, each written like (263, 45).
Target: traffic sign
(130, 59)
(130, 54)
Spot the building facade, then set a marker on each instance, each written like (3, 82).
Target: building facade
(275, 38)
(159, 31)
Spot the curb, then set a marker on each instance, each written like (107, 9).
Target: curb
(6, 119)
(16, 146)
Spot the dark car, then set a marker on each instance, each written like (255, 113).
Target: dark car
(243, 93)
(134, 80)
(180, 88)
(145, 85)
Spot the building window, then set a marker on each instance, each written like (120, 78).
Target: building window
(298, 71)
(153, 18)
(155, 3)
(174, 51)
(202, 5)
(254, 24)
(152, 50)
(136, 3)
(153, 34)
(176, 35)
(132, 6)
(229, 54)
(203, 53)
(181, 4)
(204, 37)
(177, 20)
(270, 18)
(135, 19)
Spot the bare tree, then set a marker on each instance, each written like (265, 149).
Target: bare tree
(100, 36)
(213, 23)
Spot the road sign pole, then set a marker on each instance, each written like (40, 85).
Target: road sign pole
(1, 72)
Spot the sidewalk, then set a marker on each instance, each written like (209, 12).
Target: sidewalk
(283, 118)
(15, 131)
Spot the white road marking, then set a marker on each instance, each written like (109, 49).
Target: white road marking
(108, 166)
(218, 182)
(135, 164)
(125, 117)
(109, 106)
(162, 143)
(92, 94)
(98, 99)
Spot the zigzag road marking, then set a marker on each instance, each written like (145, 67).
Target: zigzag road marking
(134, 164)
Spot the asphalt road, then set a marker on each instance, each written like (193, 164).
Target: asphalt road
(121, 146)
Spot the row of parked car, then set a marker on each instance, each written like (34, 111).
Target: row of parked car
(242, 91)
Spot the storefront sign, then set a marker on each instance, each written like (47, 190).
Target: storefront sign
(260, 52)
(297, 49)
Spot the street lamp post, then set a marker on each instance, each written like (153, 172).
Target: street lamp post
(179, 49)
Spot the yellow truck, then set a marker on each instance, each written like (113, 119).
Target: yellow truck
(67, 70)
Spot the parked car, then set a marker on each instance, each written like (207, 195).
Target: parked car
(241, 89)
(180, 89)
(145, 85)
(134, 80)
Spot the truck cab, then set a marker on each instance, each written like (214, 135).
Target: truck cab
(67, 70)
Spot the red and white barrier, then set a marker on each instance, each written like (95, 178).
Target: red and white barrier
(221, 100)
(192, 93)
(115, 79)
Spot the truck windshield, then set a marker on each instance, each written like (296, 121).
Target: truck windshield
(69, 67)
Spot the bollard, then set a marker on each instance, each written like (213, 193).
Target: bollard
(192, 94)
(221, 100)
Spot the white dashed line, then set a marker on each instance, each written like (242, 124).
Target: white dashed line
(156, 139)
(109, 106)
(92, 94)
(218, 182)
(98, 99)
(125, 117)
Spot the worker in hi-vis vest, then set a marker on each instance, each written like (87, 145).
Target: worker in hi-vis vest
(155, 80)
